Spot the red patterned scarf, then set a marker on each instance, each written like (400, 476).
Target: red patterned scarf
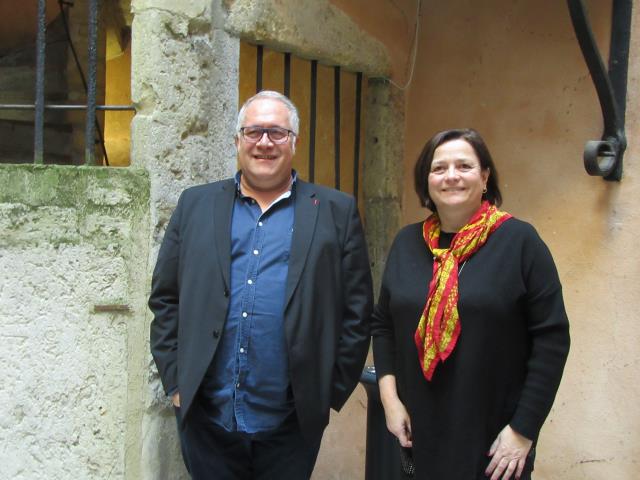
(439, 326)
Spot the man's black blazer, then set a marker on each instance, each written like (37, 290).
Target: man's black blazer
(328, 297)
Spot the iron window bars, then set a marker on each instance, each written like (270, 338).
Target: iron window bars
(91, 124)
(313, 114)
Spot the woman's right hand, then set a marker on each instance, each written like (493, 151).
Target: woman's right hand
(398, 422)
(396, 415)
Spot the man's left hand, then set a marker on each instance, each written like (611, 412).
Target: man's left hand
(509, 452)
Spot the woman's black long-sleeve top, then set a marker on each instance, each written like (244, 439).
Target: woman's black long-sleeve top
(509, 358)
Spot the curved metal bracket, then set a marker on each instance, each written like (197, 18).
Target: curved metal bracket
(604, 157)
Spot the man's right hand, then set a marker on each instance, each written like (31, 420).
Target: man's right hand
(175, 399)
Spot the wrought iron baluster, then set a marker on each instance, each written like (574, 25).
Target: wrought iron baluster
(356, 147)
(287, 74)
(38, 141)
(312, 120)
(336, 126)
(92, 62)
(259, 67)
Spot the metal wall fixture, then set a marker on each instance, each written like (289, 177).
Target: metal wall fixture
(604, 157)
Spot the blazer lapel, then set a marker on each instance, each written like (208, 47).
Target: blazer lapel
(222, 211)
(304, 224)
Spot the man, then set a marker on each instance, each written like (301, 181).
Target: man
(261, 298)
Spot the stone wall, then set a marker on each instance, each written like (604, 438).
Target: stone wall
(185, 88)
(73, 256)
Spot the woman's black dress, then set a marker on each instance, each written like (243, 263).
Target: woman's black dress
(507, 364)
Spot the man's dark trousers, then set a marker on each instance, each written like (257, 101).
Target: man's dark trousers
(212, 453)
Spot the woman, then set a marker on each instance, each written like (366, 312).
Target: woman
(470, 334)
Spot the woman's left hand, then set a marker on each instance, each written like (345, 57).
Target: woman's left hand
(509, 452)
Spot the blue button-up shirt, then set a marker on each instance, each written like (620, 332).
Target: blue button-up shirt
(247, 385)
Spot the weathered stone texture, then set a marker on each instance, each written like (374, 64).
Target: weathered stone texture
(384, 137)
(70, 239)
(311, 29)
(184, 86)
(65, 369)
(187, 8)
(183, 79)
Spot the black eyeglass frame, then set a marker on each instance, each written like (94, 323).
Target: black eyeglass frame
(268, 131)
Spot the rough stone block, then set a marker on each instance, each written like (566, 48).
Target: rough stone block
(187, 8)
(315, 29)
(73, 244)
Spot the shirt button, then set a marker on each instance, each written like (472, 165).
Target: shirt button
(244, 314)
(250, 282)
(241, 350)
(256, 252)
(259, 224)
(238, 385)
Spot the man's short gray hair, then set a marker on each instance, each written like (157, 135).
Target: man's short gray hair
(294, 119)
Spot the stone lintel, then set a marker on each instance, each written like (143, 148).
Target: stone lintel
(186, 8)
(315, 30)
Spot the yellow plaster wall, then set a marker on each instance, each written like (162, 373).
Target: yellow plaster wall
(117, 123)
(392, 22)
(514, 71)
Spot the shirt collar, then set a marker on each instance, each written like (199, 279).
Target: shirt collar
(236, 179)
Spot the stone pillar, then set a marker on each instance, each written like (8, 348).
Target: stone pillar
(185, 88)
(383, 171)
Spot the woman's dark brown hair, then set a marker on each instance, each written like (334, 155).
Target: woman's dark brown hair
(423, 165)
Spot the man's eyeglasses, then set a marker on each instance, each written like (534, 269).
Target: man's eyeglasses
(277, 135)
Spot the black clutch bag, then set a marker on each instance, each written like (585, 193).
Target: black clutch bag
(406, 462)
